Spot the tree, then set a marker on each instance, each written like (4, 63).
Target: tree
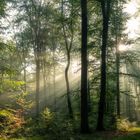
(35, 15)
(84, 67)
(68, 46)
(105, 6)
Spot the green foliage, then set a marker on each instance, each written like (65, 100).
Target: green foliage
(95, 136)
(22, 102)
(8, 55)
(129, 137)
(49, 125)
(47, 116)
(11, 85)
(40, 28)
(10, 122)
(14, 85)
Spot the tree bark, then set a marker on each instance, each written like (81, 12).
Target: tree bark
(37, 85)
(84, 67)
(67, 86)
(118, 80)
(117, 29)
(68, 51)
(24, 71)
(54, 81)
(105, 6)
(44, 79)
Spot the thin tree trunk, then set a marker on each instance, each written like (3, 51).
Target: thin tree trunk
(54, 74)
(117, 36)
(54, 69)
(37, 85)
(84, 67)
(118, 79)
(44, 81)
(38, 62)
(67, 85)
(68, 51)
(36, 46)
(25, 89)
(24, 71)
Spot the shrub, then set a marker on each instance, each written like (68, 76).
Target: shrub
(10, 122)
(47, 116)
(124, 124)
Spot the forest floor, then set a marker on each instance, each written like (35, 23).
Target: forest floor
(131, 134)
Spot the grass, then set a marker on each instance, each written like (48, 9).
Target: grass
(131, 134)
(129, 137)
(86, 137)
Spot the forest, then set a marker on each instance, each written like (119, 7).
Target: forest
(69, 70)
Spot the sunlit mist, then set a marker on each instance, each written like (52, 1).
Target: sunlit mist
(132, 24)
(132, 27)
(122, 47)
(131, 7)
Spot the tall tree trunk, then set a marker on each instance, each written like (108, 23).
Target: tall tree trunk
(38, 67)
(44, 80)
(54, 69)
(25, 89)
(24, 70)
(118, 79)
(105, 6)
(118, 36)
(54, 74)
(84, 67)
(67, 85)
(89, 97)
(37, 85)
(36, 43)
(68, 51)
